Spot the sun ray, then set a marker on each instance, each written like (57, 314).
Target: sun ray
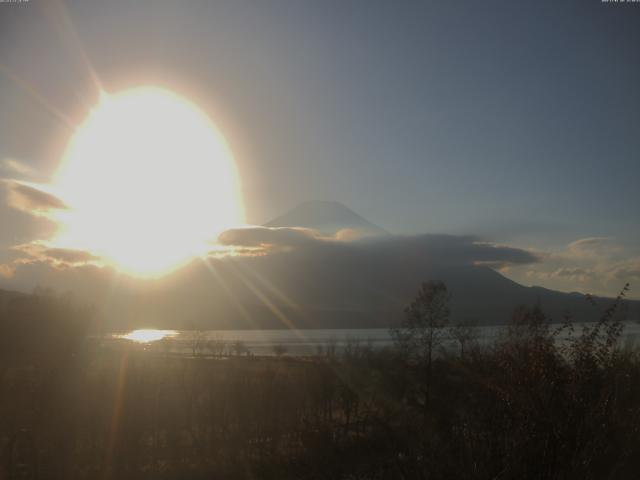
(273, 308)
(41, 100)
(116, 415)
(278, 293)
(243, 311)
(59, 14)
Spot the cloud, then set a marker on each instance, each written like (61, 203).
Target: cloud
(6, 270)
(592, 247)
(501, 256)
(569, 272)
(15, 167)
(588, 243)
(449, 250)
(261, 236)
(59, 257)
(628, 271)
(573, 273)
(351, 234)
(440, 249)
(32, 200)
(69, 256)
(599, 265)
(89, 282)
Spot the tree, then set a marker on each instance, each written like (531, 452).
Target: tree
(423, 329)
(196, 339)
(239, 348)
(279, 350)
(464, 333)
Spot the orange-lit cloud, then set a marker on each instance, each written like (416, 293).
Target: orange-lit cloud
(7, 271)
(32, 200)
(271, 239)
(59, 257)
(15, 167)
(599, 265)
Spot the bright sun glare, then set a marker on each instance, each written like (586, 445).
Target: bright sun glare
(150, 181)
(148, 335)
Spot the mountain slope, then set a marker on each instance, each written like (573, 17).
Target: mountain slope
(339, 287)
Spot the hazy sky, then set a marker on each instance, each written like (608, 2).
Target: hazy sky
(515, 121)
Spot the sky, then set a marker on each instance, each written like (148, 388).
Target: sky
(516, 122)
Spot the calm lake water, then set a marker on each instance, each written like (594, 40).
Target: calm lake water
(298, 342)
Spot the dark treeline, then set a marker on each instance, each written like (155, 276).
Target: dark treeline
(541, 402)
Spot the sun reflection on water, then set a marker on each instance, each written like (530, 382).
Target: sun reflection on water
(148, 335)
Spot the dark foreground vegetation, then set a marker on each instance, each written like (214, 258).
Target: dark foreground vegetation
(528, 406)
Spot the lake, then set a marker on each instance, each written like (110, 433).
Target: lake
(298, 342)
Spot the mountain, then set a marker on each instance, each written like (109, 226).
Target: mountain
(365, 282)
(331, 286)
(326, 217)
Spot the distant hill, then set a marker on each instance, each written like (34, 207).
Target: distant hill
(326, 217)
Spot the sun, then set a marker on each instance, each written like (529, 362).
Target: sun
(150, 181)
